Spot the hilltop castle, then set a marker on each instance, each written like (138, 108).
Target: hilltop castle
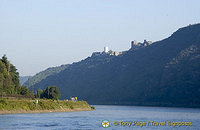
(134, 46)
(137, 45)
(106, 52)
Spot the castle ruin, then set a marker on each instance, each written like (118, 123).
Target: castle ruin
(134, 46)
(137, 45)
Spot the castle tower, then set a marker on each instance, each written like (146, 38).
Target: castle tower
(106, 49)
(133, 43)
(146, 43)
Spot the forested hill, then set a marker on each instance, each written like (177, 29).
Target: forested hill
(42, 75)
(9, 79)
(166, 73)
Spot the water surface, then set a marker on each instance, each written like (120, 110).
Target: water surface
(93, 119)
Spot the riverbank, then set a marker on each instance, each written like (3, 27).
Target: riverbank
(43, 111)
(11, 106)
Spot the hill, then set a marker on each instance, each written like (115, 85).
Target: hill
(44, 74)
(9, 80)
(23, 79)
(165, 73)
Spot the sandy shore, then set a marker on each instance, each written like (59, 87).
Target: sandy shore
(43, 111)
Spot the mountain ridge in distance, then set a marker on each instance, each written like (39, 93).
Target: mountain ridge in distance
(43, 74)
(166, 73)
(23, 79)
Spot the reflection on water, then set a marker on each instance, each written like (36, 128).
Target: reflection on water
(92, 119)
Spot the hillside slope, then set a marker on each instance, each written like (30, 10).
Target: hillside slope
(44, 74)
(166, 73)
(23, 79)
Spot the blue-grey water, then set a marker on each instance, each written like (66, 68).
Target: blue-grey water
(92, 119)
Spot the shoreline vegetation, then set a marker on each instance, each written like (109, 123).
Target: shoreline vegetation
(14, 106)
(19, 99)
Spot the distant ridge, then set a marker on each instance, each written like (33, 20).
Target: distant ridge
(23, 79)
(44, 74)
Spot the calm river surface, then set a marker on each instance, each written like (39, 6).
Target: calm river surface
(93, 119)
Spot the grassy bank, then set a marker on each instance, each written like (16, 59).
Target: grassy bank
(32, 106)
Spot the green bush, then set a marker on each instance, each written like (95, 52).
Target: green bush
(93, 107)
(4, 101)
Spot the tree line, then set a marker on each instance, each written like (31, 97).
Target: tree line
(9, 79)
(10, 85)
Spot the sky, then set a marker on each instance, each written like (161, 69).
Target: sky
(37, 34)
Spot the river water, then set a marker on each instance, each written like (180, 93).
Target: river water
(93, 119)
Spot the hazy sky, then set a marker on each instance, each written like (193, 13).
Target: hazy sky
(37, 34)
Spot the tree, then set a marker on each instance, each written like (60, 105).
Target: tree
(52, 92)
(40, 93)
(24, 90)
(6, 62)
(9, 78)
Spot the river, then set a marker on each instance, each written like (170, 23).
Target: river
(137, 117)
